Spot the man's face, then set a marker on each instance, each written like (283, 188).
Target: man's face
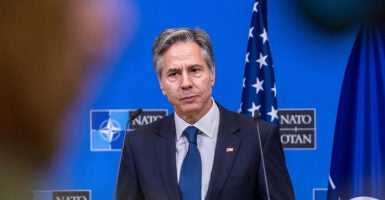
(187, 81)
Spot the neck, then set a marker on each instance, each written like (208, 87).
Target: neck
(193, 117)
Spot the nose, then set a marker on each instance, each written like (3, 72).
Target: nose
(186, 81)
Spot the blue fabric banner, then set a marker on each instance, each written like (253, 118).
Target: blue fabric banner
(357, 168)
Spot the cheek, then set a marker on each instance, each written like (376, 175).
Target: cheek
(168, 89)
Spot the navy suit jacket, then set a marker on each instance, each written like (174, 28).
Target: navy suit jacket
(148, 163)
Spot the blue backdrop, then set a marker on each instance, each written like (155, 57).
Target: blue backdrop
(309, 66)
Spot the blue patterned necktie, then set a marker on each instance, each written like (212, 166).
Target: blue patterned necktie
(191, 171)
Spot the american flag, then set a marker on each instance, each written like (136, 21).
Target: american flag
(259, 91)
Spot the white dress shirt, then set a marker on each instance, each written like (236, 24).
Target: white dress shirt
(206, 139)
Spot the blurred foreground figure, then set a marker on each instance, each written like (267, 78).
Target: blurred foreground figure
(46, 49)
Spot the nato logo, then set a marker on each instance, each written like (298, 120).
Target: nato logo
(107, 129)
(62, 195)
(298, 128)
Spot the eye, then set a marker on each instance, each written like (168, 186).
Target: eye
(195, 69)
(172, 74)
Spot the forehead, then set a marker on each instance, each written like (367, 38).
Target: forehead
(183, 49)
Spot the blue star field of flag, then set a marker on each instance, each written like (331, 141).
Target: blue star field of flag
(259, 90)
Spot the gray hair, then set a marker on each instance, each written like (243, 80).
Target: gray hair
(169, 37)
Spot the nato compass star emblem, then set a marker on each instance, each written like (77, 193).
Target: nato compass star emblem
(107, 132)
(110, 130)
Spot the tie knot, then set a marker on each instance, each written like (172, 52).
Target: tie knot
(191, 134)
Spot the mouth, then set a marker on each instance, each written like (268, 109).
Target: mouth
(188, 99)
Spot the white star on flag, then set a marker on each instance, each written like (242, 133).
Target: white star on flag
(273, 113)
(258, 85)
(264, 36)
(255, 7)
(251, 32)
(262, 60)
(272, 89)
(247, 57)
(253, 109)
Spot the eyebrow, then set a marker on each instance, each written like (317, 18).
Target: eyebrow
(195, 65)
(173, 69)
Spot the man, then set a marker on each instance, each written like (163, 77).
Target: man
(227, 154)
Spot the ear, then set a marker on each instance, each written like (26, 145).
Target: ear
(212, 75)
(162, 88)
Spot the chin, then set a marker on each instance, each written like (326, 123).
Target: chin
(191, 108)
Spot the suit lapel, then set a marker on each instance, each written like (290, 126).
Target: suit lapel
(225, 153)
(165, 152)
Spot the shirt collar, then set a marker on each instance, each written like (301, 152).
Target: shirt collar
(206, 124)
